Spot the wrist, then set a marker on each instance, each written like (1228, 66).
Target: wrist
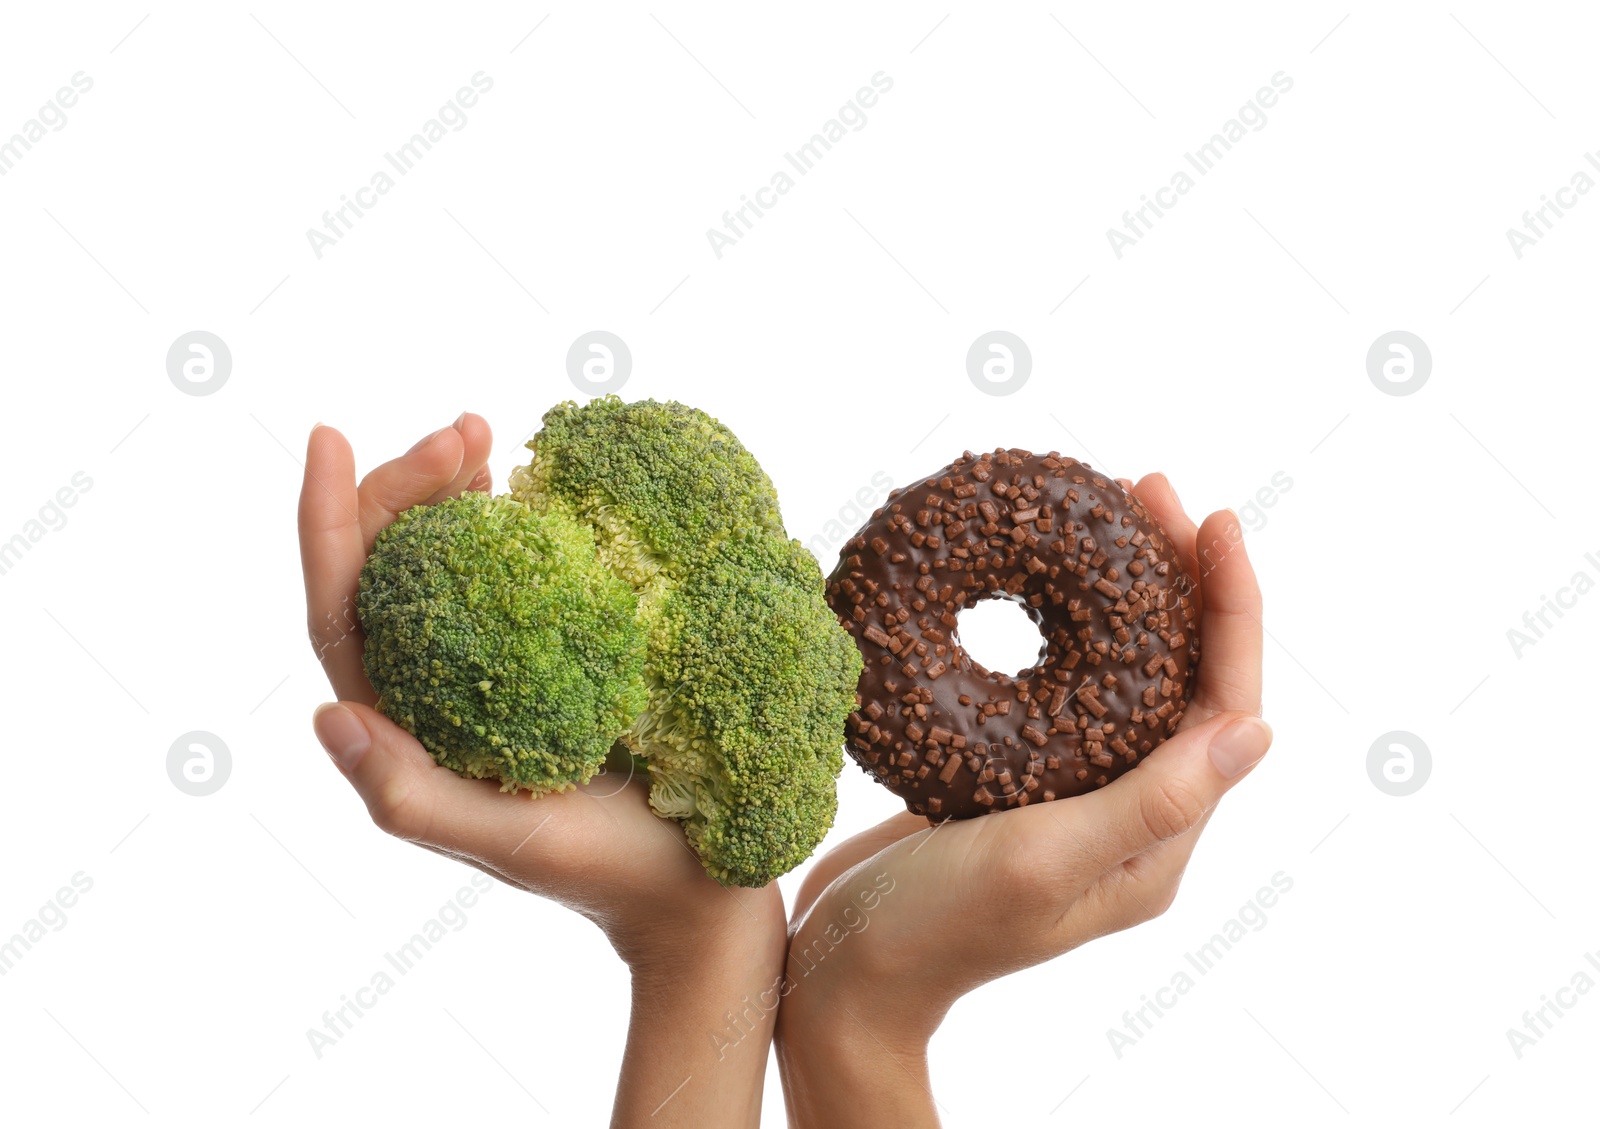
(707, 987)
(718, 993)
(827, 1010)
(838, 977)
(689, 957)
(703, 1009)
(838, 1071)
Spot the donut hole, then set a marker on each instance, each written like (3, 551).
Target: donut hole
(1000, 634)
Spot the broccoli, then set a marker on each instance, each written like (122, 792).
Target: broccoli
(496, 637)
(662, 484)
(750, 675)
(636, 590)
(750, 681)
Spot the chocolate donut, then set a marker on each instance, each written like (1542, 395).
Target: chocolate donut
(1090, 566)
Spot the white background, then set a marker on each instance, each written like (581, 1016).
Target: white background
(1227, 346)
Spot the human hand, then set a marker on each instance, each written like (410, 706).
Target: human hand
(894, 925)
(695, 948)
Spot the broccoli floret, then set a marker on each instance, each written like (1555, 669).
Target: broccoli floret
(495, 635)
(751, 679)
(662, 484)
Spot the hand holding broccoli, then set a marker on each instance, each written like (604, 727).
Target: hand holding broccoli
(695, 948)
(637, 588)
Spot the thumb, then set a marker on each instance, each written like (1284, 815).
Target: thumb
(1170, 793)
(390, 770)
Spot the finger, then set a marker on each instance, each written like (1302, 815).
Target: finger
(482, 481)
(331, 555)
(1230, 621)
(1150, 878)
(409, 481)
(411, 797)
(1135, 891)
(1170, 793)
(853, 850)
(1162, 501)
(476, 440)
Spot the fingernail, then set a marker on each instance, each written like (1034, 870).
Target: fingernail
(1240, 745)
(426, 439)
(316, 425)
(460, 419)
(342, 734)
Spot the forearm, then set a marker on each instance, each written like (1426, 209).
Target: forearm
(698, 1042)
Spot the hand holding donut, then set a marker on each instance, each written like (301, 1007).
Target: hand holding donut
(895, 924)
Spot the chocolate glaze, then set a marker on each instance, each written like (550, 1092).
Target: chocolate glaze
(1091, 567)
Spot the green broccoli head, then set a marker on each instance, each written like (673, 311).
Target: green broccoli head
(637, 586)
(495, 635)
(662, 484)
(750, 679)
